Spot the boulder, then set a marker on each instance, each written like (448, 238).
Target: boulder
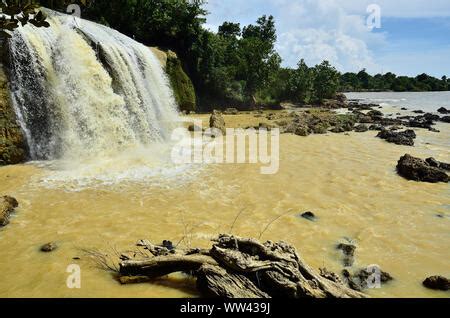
(217, 121)
(405, 138)
(49, 247)
(445, 119)
(417, 169)
(7, 206)
(437, 283)
(309, 216)
(443, 110)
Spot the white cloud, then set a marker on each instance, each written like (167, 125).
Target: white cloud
(315, 30)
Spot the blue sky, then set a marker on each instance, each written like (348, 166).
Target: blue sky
(414, 36)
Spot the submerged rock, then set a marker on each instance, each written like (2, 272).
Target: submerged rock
(7, 206)
(49, 247)
(437, 283)
(417, 169)
(366, 278)
(348, 248)
(405, 138)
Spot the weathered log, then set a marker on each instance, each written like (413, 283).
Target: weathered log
(164, 265)
(7, 206)
(241, 267)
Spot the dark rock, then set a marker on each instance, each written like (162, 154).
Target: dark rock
(49, 247)
(375, 114)
(441, 165)
(418, 112)
(445, 119)
(437, 283)
(443, 110)
(417, 169)
(309, 216)
(405, 138)
(361, 128)
(431, 117)
(348, 248)
(404, 108)
(421, 122)
(434, 130)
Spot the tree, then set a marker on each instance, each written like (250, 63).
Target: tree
(15, 11)
(326, 81)
(258, 58)
(301, 83)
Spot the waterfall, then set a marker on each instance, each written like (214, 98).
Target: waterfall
(82, 90)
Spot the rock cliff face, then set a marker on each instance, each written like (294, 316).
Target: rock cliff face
(12, 141)
(182, 86)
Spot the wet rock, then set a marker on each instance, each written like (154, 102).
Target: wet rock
(375, 114)
(431, 117)
(404, 108)
(217, 121)
(443, 110)
(441, 165)
(49, 247)
(418, 112)
(417, 169)
(309, 216)
(7, 206)
(437, 283)
(405, 138)
(434, 130)
(348, 248)
(361, 128)
(168, 244)
(367, 278)
(445, 119)
(421, 122)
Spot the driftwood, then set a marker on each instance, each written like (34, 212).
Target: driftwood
(238, 268)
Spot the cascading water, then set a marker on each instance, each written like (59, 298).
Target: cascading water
(87, 95)
(83, 90)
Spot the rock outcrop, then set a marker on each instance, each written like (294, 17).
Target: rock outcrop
(417, 169)
(437, 283)
(12, 141)
(405, 138)
(181, 84)
(7, 206)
